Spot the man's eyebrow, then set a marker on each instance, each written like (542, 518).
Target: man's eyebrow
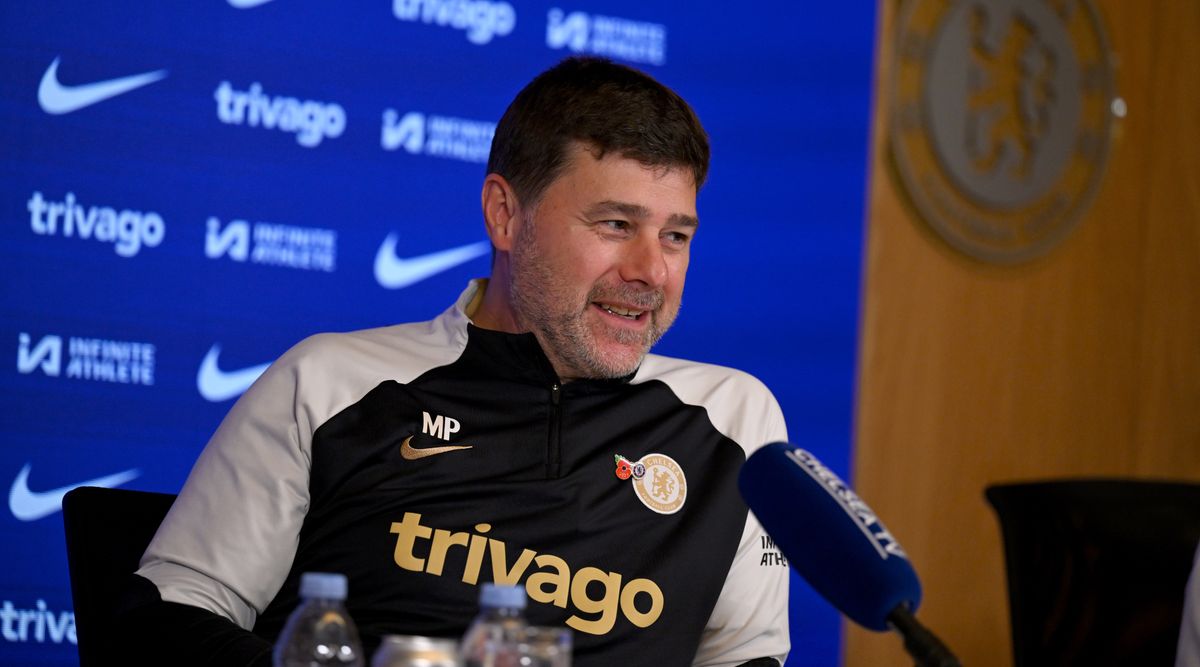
(636, 211)
(626, 209)
(683, 220)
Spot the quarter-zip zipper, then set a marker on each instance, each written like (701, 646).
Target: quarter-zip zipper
(554, 434)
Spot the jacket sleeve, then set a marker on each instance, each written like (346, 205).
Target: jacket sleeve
(749, 624)
(1188, 653)
(229, 541)
(151, 632)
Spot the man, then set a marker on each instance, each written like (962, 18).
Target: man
(524, 436)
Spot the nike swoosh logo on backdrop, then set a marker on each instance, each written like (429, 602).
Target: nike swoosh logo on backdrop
(55, 98)
(394, 272)
(247, 4)
(410, 453)
(29, 505)
(217, 385)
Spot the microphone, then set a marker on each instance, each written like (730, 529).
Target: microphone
(838, 545)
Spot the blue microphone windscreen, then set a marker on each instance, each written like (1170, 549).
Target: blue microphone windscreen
(828, 534)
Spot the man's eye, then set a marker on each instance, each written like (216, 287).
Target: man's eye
(617, 225)
(677, 238)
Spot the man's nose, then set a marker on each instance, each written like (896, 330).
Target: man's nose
(645, 261)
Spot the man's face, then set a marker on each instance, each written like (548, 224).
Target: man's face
(598, 265)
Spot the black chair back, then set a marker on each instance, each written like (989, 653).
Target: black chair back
(1097, 569)
(107, 531)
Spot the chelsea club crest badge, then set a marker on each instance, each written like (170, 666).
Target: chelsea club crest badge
(658, 481)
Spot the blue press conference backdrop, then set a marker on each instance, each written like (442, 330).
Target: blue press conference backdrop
(254, 171)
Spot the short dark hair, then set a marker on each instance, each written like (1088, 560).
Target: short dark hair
(607, 106)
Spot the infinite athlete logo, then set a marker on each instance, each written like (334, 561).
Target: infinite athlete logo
(437, 136)
(46, 355)
(1001, 119)
(634, 41)
(95, 359)
(307, 248)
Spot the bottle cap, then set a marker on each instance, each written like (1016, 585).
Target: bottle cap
(496, 596)
(326, 585)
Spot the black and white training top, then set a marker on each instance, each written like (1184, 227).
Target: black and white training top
(423, 459)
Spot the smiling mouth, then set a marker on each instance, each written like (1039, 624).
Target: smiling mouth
(626, 313)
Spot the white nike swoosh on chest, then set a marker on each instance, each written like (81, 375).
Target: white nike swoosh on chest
(28, 505)
(217, 385)
(56, 98)
(394, 272)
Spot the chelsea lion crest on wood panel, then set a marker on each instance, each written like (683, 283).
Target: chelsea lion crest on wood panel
(1002, 114)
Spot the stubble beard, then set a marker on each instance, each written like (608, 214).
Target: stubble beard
(544, 304)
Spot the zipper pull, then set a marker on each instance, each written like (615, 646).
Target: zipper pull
(555, 390)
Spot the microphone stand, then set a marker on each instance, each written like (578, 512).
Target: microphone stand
(921, 644)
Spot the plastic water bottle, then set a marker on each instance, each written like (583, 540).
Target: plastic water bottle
(416, 651)
(492, 638)
(320, 631)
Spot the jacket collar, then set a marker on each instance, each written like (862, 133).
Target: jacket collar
(512, 355)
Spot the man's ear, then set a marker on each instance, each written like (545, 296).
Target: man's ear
(500, 211)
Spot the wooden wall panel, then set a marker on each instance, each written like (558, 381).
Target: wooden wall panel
(1085, 362)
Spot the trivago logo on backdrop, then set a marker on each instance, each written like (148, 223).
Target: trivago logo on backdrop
(311, 121)
(480, 19)
(128, 230)
(38, 624)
